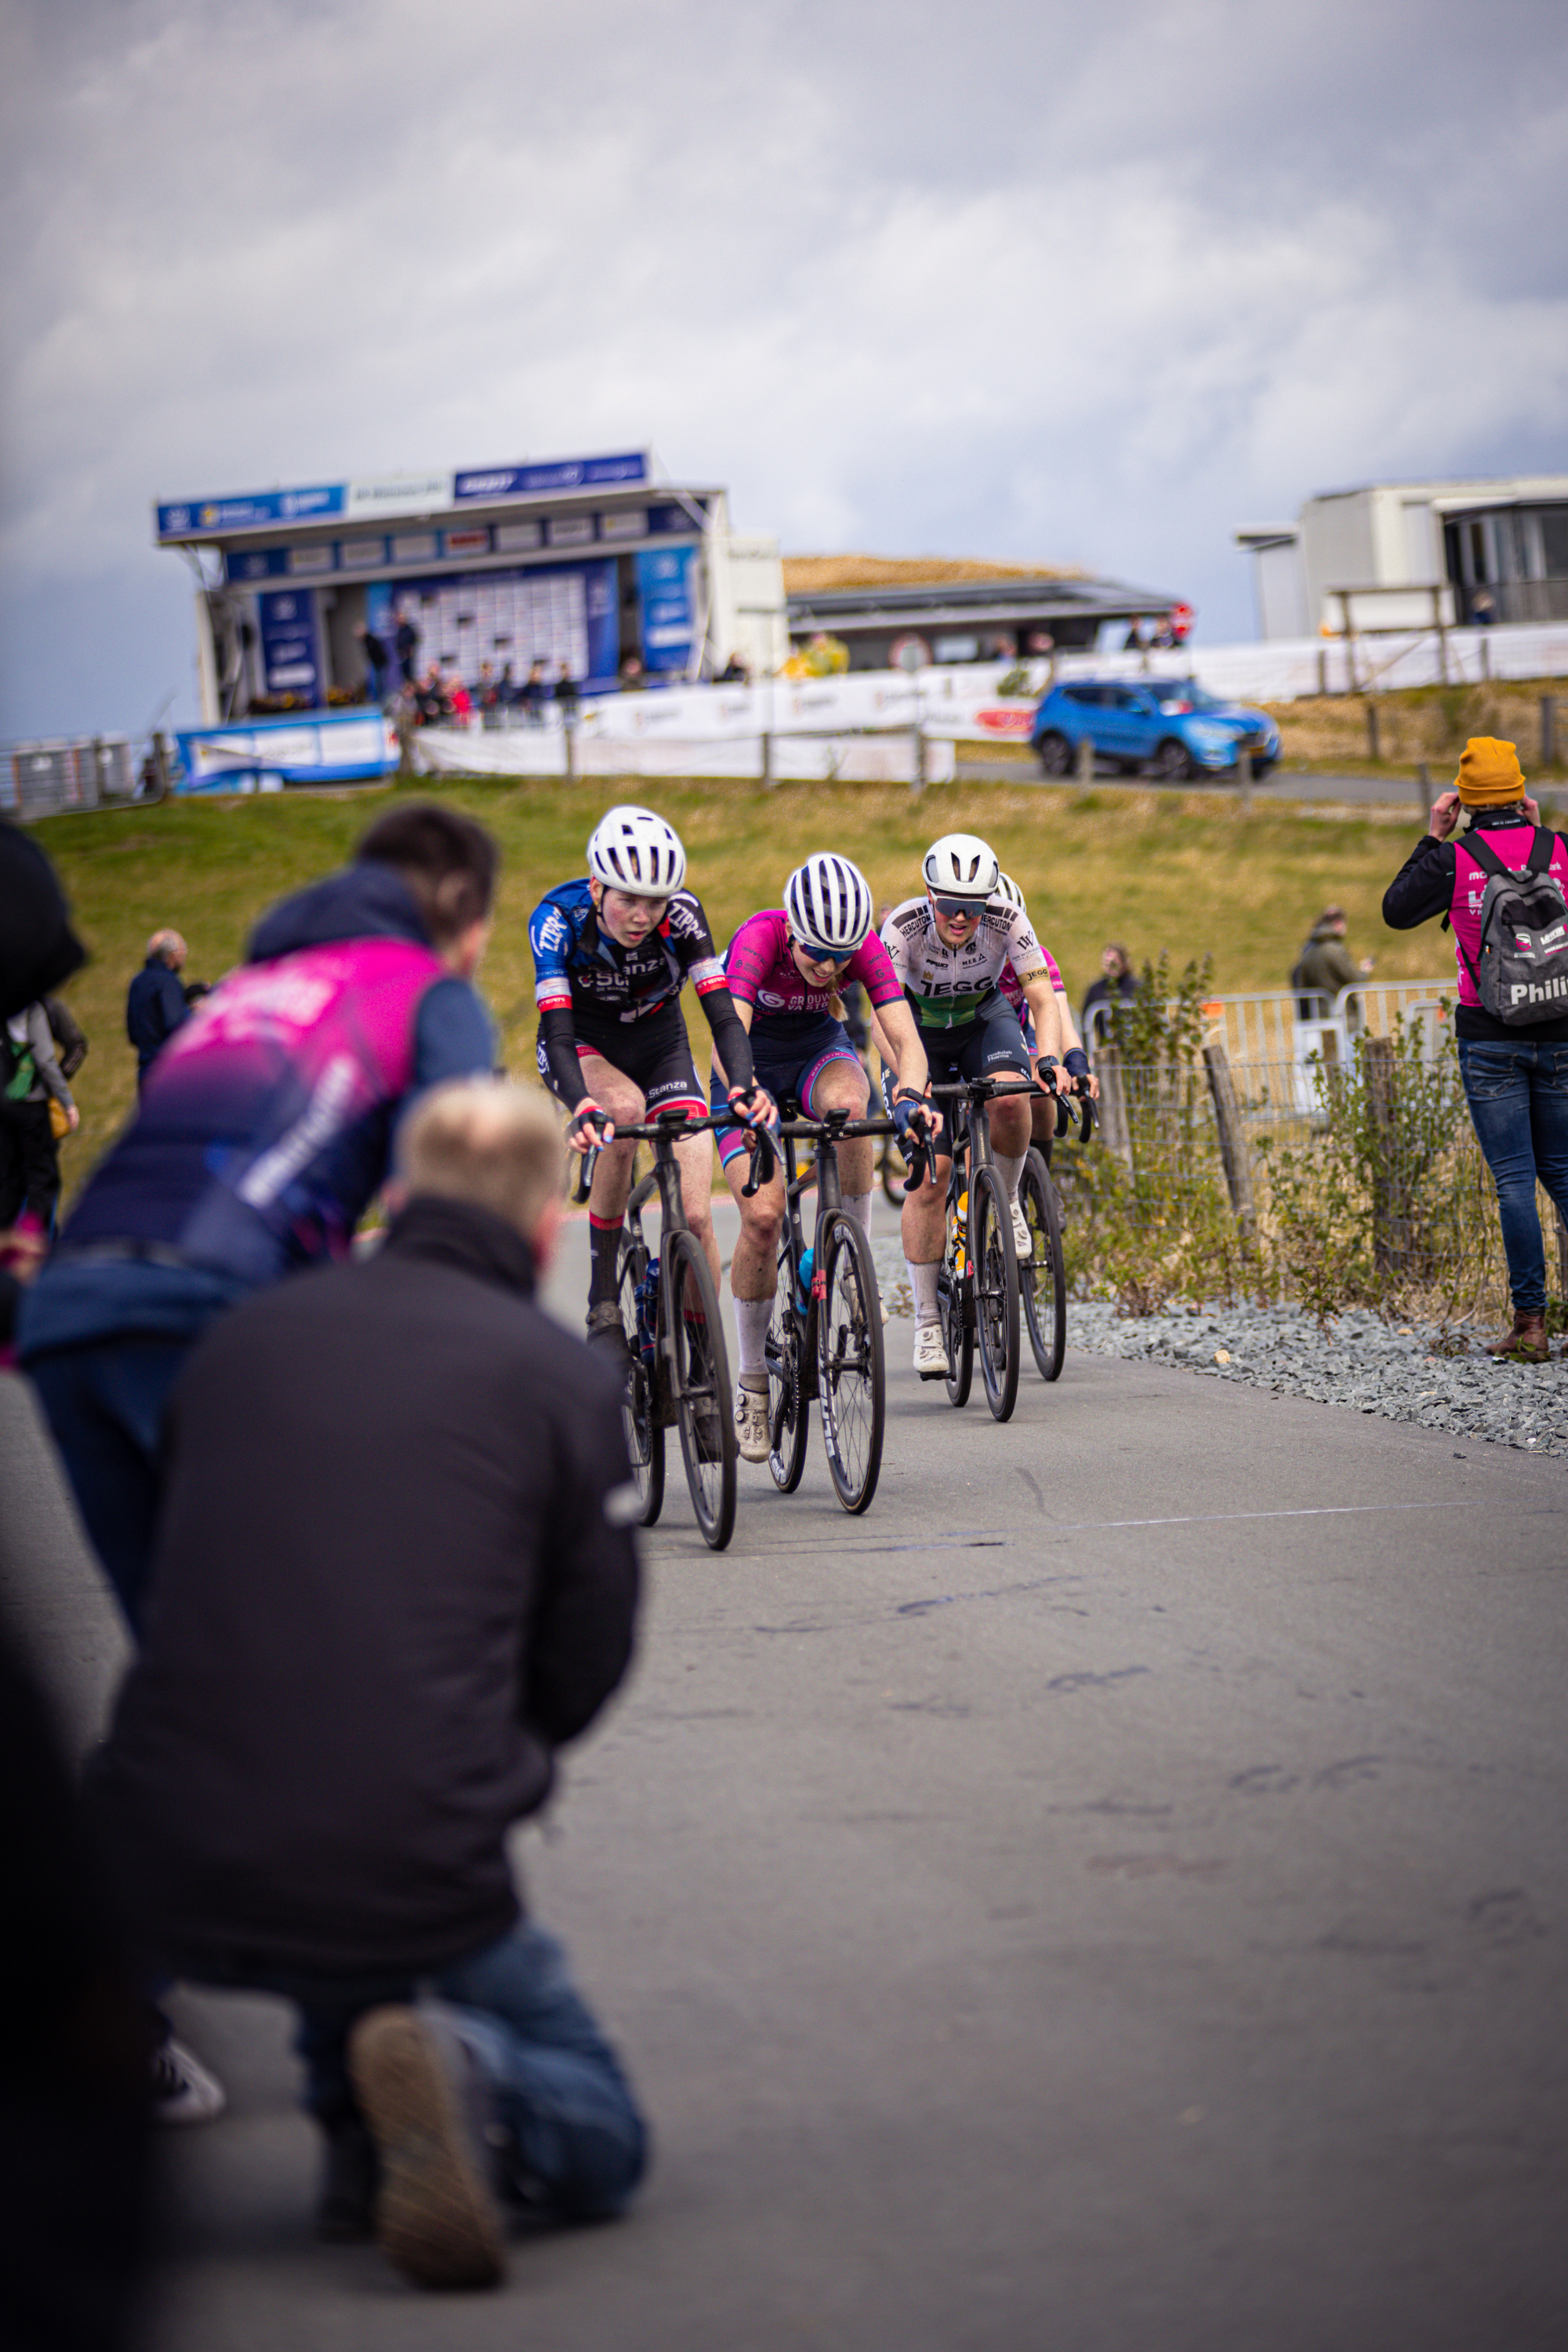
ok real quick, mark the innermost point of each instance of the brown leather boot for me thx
(1526, 1343)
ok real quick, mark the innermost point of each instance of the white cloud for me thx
(1028, 281)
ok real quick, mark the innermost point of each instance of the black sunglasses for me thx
(954, 908)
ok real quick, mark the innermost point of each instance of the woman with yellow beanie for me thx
(1516, 1078)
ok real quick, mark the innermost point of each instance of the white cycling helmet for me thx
(828, 903)
(1009, 893)
(962, 865)
(632, 850)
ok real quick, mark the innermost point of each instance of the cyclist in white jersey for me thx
(949, 949)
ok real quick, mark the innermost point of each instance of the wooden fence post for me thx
(1085, 761)
(1235, 1157)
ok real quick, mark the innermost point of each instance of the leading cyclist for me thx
(611, 954)
(787, 967)
(949, 949)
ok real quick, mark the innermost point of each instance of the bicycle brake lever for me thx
(586, 1163)
(1064, 1115)
(764, 1159)
(1085, 1118)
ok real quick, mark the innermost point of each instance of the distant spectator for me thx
(1116, 983)
(1483, 608)
(31, 1080)
(534, 692)
(70, 1037)
(459, 701)
(506, 687)
(377, 661)
(430, 701)
(566, 696)
(1325, 965)
(407, 644)
(735, 672)
(1135, 641)
(633, 676)
(155, 1002)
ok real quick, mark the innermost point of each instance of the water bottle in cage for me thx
(803, 1292)
(647, 1310)
(957, 1226)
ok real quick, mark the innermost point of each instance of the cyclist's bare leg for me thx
(841, 1086)
(1010, 1130)
(753, 1267)
(615, 1094)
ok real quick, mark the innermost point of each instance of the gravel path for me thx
(1361, 1361)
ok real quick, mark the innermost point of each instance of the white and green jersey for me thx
(949, 987)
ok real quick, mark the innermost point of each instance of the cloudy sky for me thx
(1010, 279)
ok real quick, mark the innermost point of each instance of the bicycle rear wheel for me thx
(786, 1403)
(639, 1415)
(701, 1384)
(996, 1268)
(851, 1384)
(1043, 1283)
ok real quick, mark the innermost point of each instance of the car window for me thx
(1091, 694)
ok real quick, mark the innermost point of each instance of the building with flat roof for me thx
(589, 562)
(895, 610)
(1401, 555)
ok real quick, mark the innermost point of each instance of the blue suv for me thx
(1169, 726)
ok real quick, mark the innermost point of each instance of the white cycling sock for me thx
(1010, 1167)
(751, 1319)
(922, 1283)
(860, 1207)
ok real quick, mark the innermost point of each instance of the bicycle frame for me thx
(826, 1133)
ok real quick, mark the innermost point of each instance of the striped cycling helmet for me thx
(828, 903)
(632, 850)
(1009, 893)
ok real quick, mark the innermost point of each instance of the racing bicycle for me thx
(677, 1374)
(825, 1337)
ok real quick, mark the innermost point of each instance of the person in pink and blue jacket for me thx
(264, 1131)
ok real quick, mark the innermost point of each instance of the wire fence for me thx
(1353, 1180)
(89, 771)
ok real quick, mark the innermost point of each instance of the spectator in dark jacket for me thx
(356, 1679)
(1326, 965)
(70, 1037)
(155, 1002)
(262, 1136)
(1116, 983)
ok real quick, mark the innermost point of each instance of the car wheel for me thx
(1056, 754)
(1261, 769)
(1173, 762)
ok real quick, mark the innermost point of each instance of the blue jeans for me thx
(577, 2145)
(1517, 1095)
(105, 1405)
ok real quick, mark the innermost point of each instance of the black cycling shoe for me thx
(606, 1328)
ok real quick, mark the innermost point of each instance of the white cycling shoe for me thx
(1023, 1239)
(931, 1352)
(751, 1422)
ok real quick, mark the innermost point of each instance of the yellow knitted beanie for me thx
(1490, 774)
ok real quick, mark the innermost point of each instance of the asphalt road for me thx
(1115, 1894)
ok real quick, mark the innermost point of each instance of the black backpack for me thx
(1521, 971)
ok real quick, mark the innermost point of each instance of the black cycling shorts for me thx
(979, 1050)
(654, 1054)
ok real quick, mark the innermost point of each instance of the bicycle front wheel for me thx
(701, 1384)
(786, 1400)
(995, 1267)
(639, 1415)
(851, 1385)
(1043, 1282)
(957, 1333)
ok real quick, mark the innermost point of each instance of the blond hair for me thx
(484, 1140)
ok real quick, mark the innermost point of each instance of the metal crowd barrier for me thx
(45, 778)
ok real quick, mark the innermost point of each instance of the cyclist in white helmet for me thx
(611, 954)
(785, 968)
(949, 948)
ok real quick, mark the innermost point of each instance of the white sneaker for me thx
(1023, 1239)
(931, 1352)
(751, 1422)
(183, 2089)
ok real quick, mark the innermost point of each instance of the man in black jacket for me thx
(155, 1001)
(396, 1574)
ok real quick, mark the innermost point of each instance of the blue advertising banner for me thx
(552, 613)
(668, 619)
(291, 663)
(204, 518)
(566, 474)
